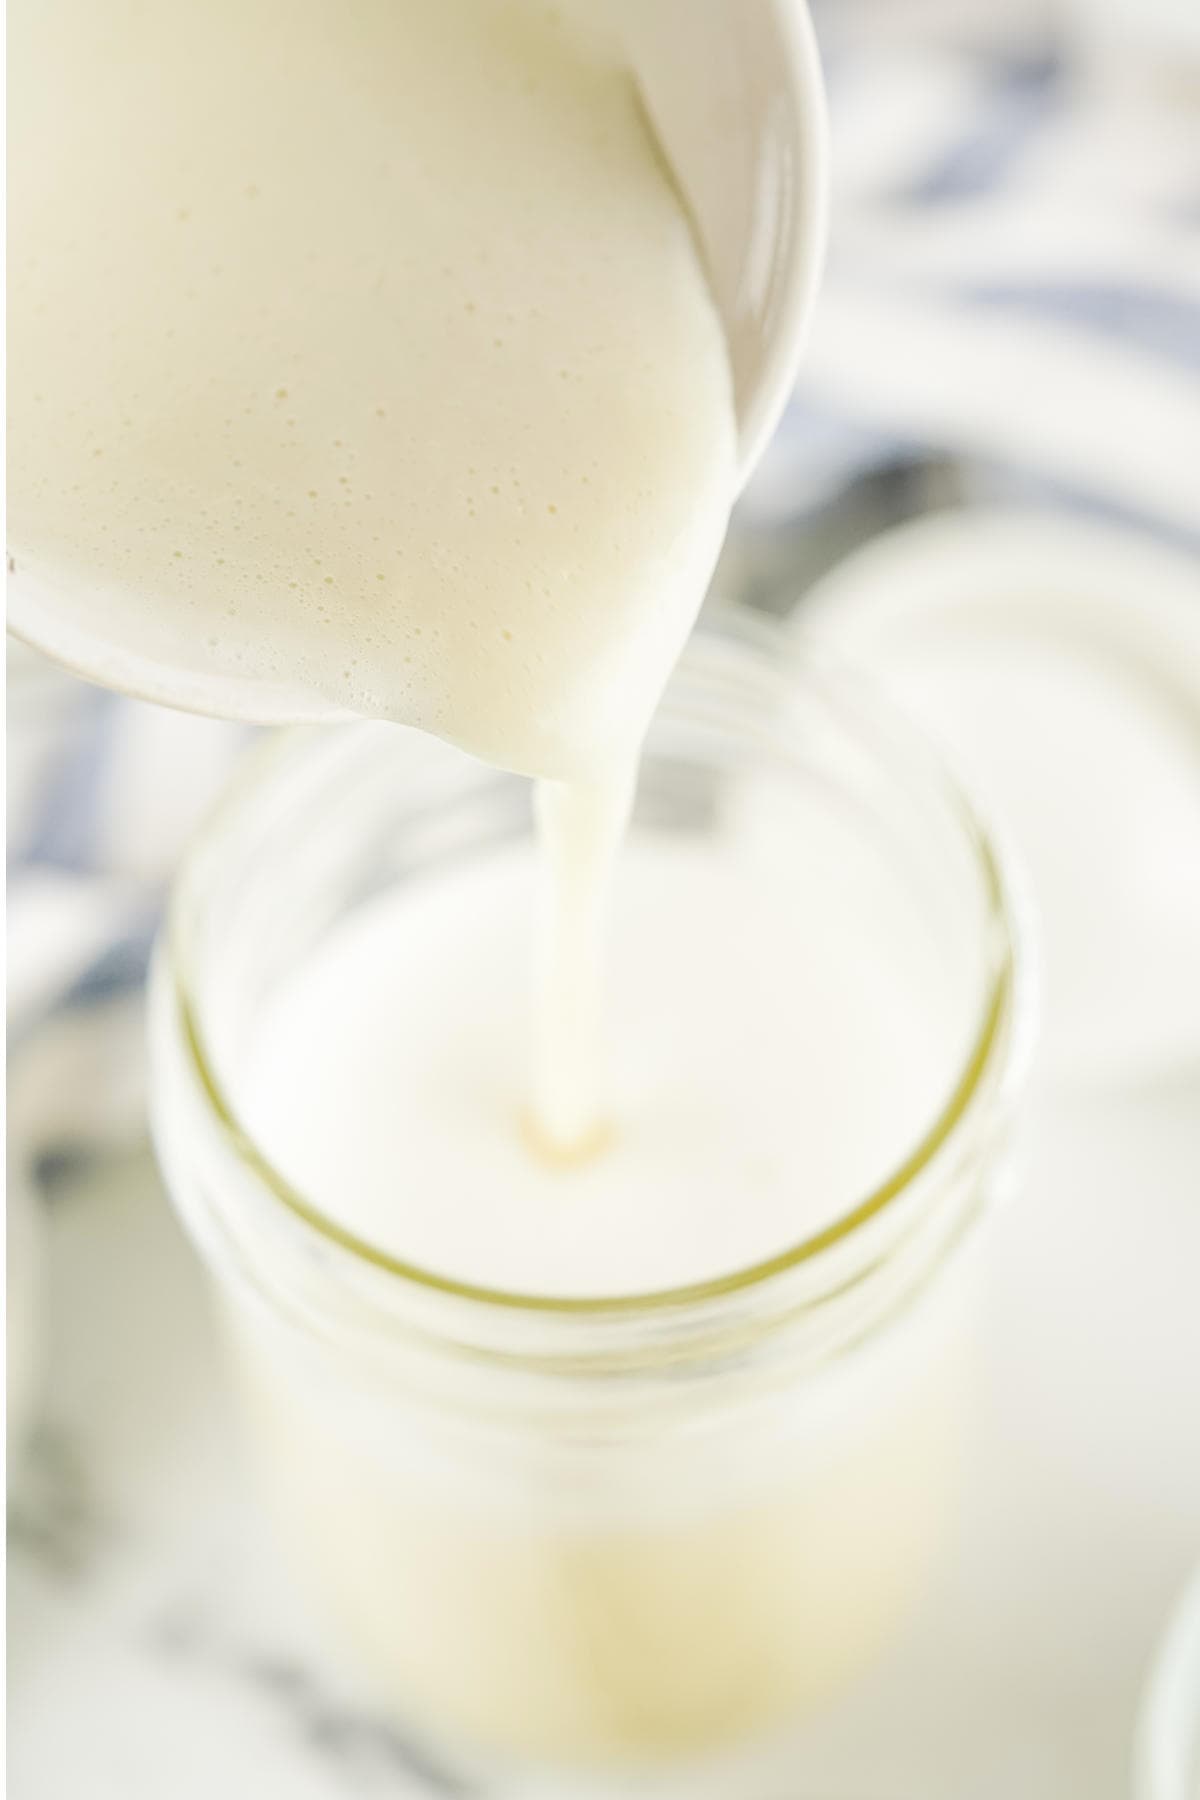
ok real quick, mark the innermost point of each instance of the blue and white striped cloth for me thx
(1013, 295)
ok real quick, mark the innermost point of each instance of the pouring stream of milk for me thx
(580, 825)
(361, 348)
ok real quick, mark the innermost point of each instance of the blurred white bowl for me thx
(1056, 657)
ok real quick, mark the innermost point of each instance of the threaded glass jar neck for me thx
(321, 820)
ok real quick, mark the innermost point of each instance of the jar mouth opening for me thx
(996, 1053)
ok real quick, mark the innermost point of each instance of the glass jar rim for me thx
(998, 1046)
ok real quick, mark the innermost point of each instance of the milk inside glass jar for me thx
(614, 1518)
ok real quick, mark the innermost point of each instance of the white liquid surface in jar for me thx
(785, 1040)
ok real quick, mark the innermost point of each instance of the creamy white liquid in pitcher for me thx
(360, 347)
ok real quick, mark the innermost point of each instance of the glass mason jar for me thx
(629, 1530)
